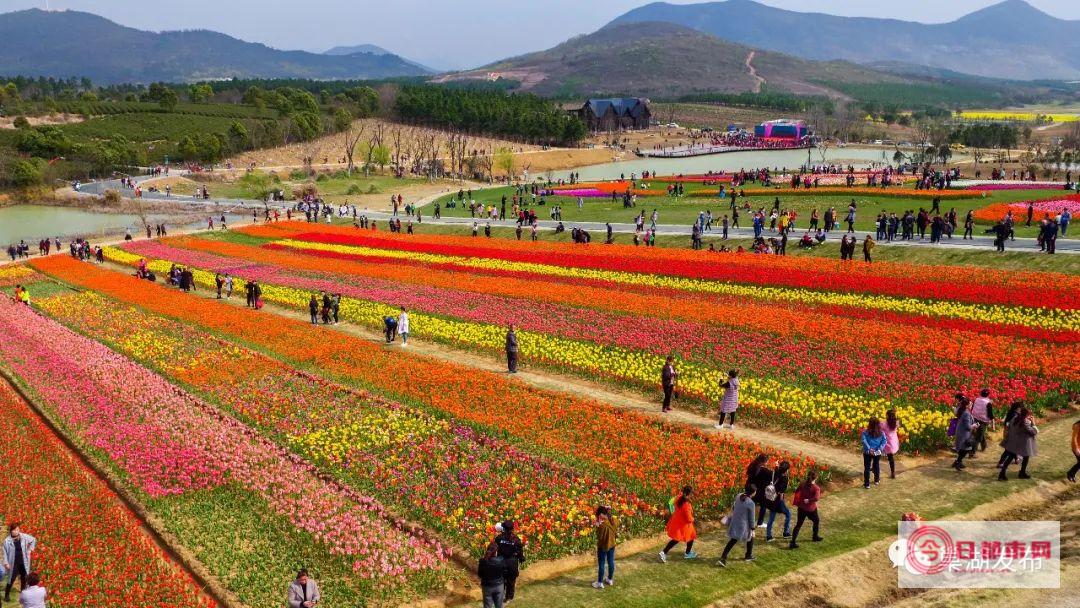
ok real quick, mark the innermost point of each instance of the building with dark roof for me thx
(616, 114)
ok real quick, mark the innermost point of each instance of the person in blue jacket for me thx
(873, 446)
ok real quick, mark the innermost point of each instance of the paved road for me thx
(598, 229)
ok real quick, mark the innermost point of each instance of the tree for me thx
(27, 172)
(898, 157)
(21, 122)
(238, 136)
(257, 185)
(169, 100)
(506, 162)
(381, 156)
(352, 133)
(944, 153)
(374, 141)
(200, 93)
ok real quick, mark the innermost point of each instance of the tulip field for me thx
(611, 314)
(262, 444)
(388, 468)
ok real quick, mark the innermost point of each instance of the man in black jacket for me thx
(511, 350)
(512, 552)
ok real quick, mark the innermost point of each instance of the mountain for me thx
(1011, 40)
(341, 51)
(359, 48)
(70, 43)
(665, 59)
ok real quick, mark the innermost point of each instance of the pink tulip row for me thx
(168, 442)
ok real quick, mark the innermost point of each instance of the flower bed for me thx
(168, 447)
(892, 192)
(450, 477)
(1041, 208)
(634, 446)
(1055, 313)
(92, 550)
(632, 348)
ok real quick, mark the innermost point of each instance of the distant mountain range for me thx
(665, 59)
(1011, 40)
(70, 43)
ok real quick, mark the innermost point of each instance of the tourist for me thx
(511, 349)
(1071, 475)
(390, 326)
(228, 286)
(867, 247)
(304, 591)
(669, 377)
(729, 403)
(606, 532)
(492, 573)
(873, 446)
(335, 308)
(806, 498)
(219, 283)
(760, 476)
(777, 503)
(18, 548)
(313, 308)
(680, 526)
(1019, 443)
(891, 430)
(512, 551)
(403, 327)
(33, 596)
(963, 432)
(741, 525)
(22, 295)
(982, 410)
(249, 292)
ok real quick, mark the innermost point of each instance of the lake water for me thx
(732, 161)
(34, 222)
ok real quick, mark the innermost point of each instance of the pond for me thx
(731, 161)
(34, 222)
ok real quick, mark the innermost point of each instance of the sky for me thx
(452, 34)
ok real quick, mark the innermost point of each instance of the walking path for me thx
(758, 80)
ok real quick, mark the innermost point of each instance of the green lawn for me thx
(685, 210)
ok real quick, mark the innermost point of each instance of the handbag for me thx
(770, 490)
(952, 427)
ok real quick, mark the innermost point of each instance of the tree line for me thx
(518, 116)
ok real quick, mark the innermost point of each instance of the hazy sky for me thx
(451, 33)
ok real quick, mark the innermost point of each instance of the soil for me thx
(8, 122)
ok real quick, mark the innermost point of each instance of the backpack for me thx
(671, 506)
(770, 490)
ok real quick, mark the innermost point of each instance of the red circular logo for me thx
(930, 550)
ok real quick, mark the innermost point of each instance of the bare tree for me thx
(374, 140)
(352, 136)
